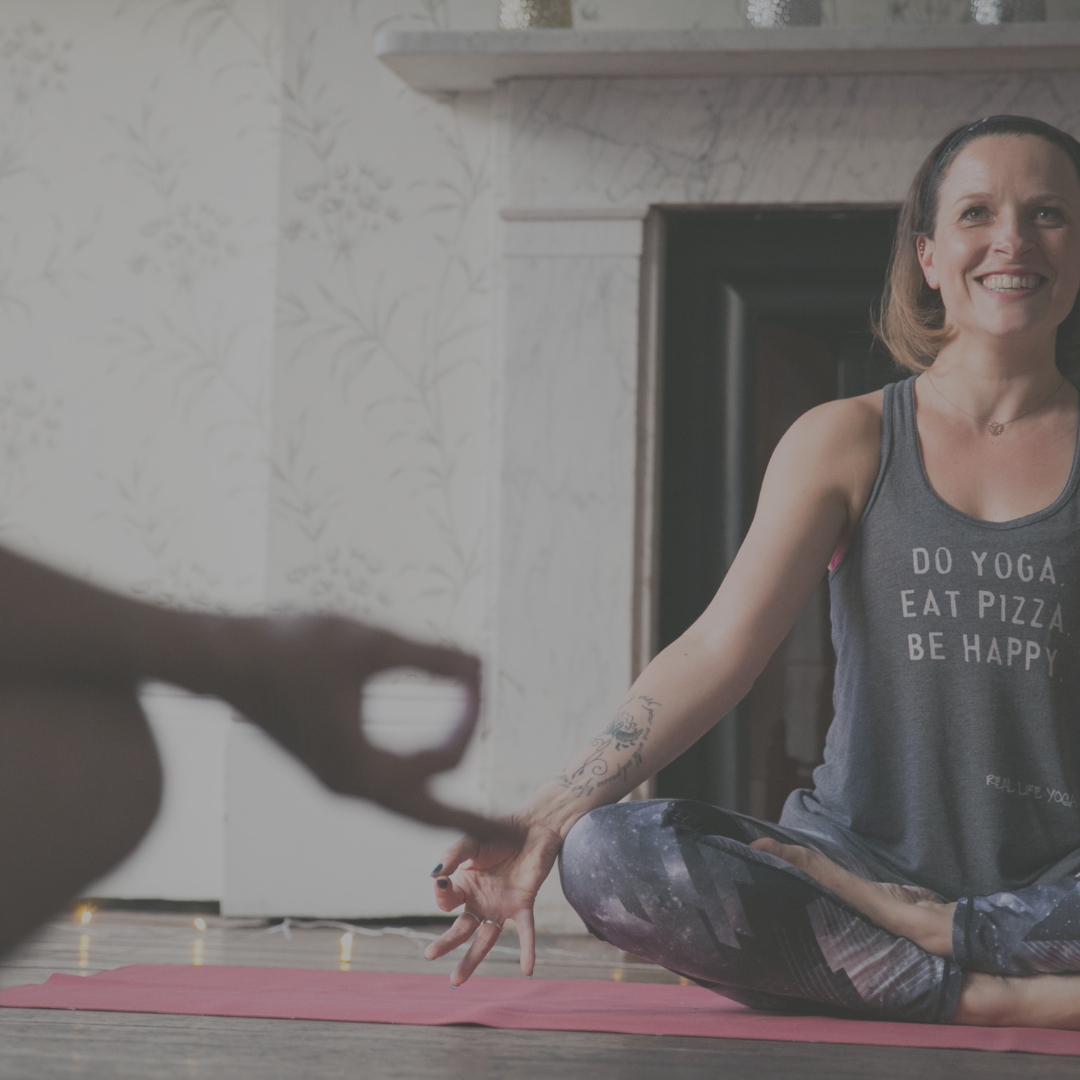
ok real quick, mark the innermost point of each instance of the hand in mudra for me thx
(495, 881)
(302, 679)
(905, 910)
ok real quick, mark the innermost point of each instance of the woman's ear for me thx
(924, 249)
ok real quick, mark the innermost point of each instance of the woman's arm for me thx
(814, 490)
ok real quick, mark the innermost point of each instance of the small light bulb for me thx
(84, 914)
(200, 924)
(346, 944)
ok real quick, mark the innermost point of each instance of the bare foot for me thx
(904, 910)
(1049, 1001)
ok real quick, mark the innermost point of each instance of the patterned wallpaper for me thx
(381, 387)
(244, 301)
(138, 220)
(245, 314)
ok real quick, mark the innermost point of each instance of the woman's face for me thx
(1006, 246)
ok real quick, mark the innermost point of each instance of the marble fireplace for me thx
(595, 133)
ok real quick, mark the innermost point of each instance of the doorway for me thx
(766, 314)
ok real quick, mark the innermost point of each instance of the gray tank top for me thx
(953, 759)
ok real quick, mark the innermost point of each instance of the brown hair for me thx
(911, 320)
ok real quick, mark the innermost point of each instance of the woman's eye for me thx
(1048, 214)
(974, 213)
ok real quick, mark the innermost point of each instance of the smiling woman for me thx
(932, 872)
(913, 317)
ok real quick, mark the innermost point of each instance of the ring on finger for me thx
(492, 922)
(473, 915)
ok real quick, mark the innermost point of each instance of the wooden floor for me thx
(42, 1044)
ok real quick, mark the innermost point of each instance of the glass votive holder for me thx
(770, 13)
(535, 14)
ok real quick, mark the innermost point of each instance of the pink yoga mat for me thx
(539, 1004)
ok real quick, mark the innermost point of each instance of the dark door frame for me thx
(708, 275)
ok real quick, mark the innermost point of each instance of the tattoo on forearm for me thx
(629, 731)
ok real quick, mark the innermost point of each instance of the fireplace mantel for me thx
(444, 61)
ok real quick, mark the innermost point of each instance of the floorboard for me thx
(44, 1044)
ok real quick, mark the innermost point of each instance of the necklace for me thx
(996, 427)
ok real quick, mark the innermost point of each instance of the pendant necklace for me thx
(996, 427)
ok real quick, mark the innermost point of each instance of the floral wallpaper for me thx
(245, 313)
(138, 224)
(381, 381)
(244, 300)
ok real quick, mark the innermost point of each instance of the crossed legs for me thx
(678, 883)
(1022, 949)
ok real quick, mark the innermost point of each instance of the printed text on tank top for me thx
(953, 759)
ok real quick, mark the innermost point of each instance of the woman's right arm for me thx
(817, 483)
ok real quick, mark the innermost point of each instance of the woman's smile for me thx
(1016, 283)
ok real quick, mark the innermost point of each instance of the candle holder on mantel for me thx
(769, 13)
(535, 14)
(995, 12)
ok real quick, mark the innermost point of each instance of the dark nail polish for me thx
(443, 883)
(436, 870)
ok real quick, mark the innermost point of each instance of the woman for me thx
(931, 873)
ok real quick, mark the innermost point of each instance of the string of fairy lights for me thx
(84, 916)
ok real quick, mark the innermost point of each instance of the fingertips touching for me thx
(440, 660)
(454, 856)
(447, 895)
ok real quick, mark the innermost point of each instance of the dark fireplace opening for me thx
(766, 314)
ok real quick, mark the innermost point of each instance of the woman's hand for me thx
(495, 881)
(905, 910)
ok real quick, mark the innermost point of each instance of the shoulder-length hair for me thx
(911, 319)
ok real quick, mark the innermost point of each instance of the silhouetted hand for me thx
(300, 678)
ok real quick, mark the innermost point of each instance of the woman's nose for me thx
(1012, 234)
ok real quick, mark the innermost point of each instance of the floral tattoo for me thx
(628, 731)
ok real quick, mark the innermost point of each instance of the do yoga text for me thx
(984, 603)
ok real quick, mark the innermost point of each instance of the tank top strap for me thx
(899, 445)
(905, 431)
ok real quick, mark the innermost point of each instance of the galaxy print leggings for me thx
(675, 882)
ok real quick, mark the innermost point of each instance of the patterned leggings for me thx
(675, 881)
